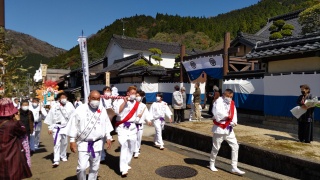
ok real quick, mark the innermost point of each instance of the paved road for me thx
(144, 167)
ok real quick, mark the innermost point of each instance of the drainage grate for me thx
(176, 172)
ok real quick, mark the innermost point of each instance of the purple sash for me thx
(126, 124)
(161, 119)
(229, 128)
(55, 138)
(138, 125)
(90, 148)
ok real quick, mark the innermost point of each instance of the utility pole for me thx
(182, 54)
(123, 29)
(2, 19)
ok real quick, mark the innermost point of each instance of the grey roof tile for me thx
(145, 45)
(300, 44)
(124, 62)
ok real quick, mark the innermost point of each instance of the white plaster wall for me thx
(114, 52)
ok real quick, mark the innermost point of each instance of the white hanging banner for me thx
(85, 66)
(212, 66)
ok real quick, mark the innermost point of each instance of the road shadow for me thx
(277, 137)
(199, 162)
(112, 162)
(149, 143)
(40, 150)
(48, 157)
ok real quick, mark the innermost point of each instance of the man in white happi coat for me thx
(107, 103)
(159, 110)
(88, 125)
(126, 110)
(143, 117)
(57, 119)
(39, 113)
(225, 119)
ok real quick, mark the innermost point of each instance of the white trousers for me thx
(158, 136)
(128, 144)
(217, 139)
(60, 149)
(103, 152)
(139, 139)
(83, 160)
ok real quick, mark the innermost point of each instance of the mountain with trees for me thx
(204, 33)
(34, 51)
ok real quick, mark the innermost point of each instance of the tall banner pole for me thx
(85, 66)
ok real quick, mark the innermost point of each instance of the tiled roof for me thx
(248, 39)
(124, 62)
(90, 65)
(292, 45)
(144, 70)
(289, 18)
(145, 45)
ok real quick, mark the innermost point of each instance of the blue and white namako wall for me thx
(151, 90)
(275, 95)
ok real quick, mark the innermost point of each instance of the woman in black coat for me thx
(305, 122)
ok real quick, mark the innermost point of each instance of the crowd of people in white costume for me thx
(90, 127)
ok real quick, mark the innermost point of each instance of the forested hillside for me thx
(34, 50)
(195, 32)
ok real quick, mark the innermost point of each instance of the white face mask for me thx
(158, 98)
(35, 104)
(63, 101)
(25, 108)
(138, 98)
(94, 104)
(107, 94)
(132, 97)
(227, 100)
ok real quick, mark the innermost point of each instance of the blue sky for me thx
(60, 22)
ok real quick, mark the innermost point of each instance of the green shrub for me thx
(276, 35)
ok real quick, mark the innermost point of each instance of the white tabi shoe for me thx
(161, 148)
(237, 171)
(212, 167)
(129, 167)
(55, 164)
(124, 174)
(136, 155)
(64, 159)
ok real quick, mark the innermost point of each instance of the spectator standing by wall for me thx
(196, 101)
(177, 102)
(305, 122)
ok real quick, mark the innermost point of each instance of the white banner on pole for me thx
(85, 66)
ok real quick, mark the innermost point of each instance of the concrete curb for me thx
(271, 161)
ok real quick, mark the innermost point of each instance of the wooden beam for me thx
(225, 53)
(2, 14)
(182, 54)
(245, 68)
(252, 65)
(244, 63)
(233, 67)
(231, 50)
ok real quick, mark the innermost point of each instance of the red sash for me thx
(229, 119)
(130, 114)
